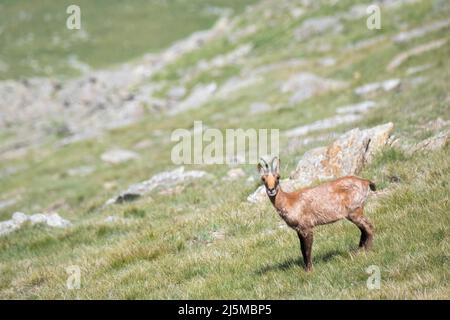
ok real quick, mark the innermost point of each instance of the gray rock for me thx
(116, 156)
(357, 108)
(306, 85)
(316, 26)
(345, 156)
(160, 181)
(417, 69)
(373, 87)
(176, 93)
(19, 219)
(406, 36)
(259, 107)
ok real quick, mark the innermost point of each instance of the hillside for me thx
(72, 142)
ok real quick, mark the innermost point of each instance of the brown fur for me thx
(329, 202)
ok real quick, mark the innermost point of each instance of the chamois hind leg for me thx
(306, 241)
(364, 226)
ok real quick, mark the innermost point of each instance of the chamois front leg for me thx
(306, 241)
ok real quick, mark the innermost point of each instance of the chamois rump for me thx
(329, 202)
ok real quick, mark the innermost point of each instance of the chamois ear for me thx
(260, 169)
(276, 165)
(263, 168)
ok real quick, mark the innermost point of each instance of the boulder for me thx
(18, 219)
(161, 181)
(322, 124)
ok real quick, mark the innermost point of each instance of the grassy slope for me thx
(167, 247)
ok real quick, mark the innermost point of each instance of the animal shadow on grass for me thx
(295, 262)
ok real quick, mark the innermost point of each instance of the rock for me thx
(259, 107)
(296, 12)
(234, 174)
(386, 86)
(327, 61)
(436, 142)
(18, 219)
(322, 124)
(316, 26)
(80, 171)
(366, 43)
(306, 85)
(54, 220)
(8, 226)
(38, 218)
(357, 108)
(176, 93)
(160, 181)
(200, 95)
(402, 57)
(406, 36)
(345, 156)
(117, 156)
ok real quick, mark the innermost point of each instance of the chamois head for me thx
(270, 175)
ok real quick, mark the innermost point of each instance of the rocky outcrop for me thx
(345, 156)
(161, 181)
(19, 219)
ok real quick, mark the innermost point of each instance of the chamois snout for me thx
(270, 176)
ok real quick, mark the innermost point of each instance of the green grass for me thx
(36, 42)
(207, 241)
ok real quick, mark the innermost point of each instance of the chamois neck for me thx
(278, 200)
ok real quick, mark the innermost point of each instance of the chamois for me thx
(329, 202)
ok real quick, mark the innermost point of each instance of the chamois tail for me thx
(372, 186)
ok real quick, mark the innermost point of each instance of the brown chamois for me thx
(329, 202)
